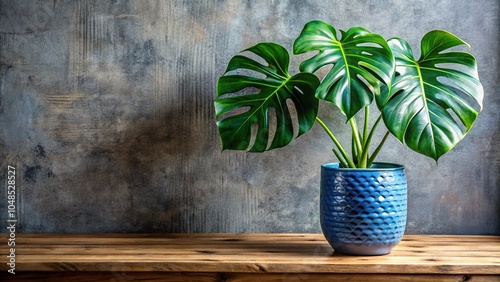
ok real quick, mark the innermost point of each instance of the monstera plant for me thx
(429, 104)
(424, 103)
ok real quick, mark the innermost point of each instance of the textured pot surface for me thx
(363, 211)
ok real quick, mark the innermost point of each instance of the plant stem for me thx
(357, 140)
(354, 151)
(346, 158)
(366, 125)
(366, 139)
(375, 153)
(340, 158)
(366, 146)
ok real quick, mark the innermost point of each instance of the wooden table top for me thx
(247, 253)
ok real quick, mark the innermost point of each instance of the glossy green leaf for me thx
(433, 101)
(270, 86)
(359, 61)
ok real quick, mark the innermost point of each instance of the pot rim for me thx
(376, 166)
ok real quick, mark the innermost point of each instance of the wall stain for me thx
(31, 173)
(40, 151)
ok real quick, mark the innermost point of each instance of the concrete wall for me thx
(106, 112)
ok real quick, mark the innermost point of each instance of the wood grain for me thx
(238, 277)
(239, 255)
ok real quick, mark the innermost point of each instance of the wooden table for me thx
(245, 257)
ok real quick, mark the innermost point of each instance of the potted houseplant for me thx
(429, 104)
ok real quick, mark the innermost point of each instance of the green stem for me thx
(364, 157)
(375, 153)
(346, 158)
(357, 140)
(340, 158)
(366, 125)
(354, 151)
(366, 139)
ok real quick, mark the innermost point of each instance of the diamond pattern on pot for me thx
(363, 207)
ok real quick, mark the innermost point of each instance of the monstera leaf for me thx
(239, 111)
(430, 103)
(360, 60)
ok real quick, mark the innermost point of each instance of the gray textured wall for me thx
(106, 111)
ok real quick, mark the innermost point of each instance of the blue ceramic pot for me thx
(363, 211)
